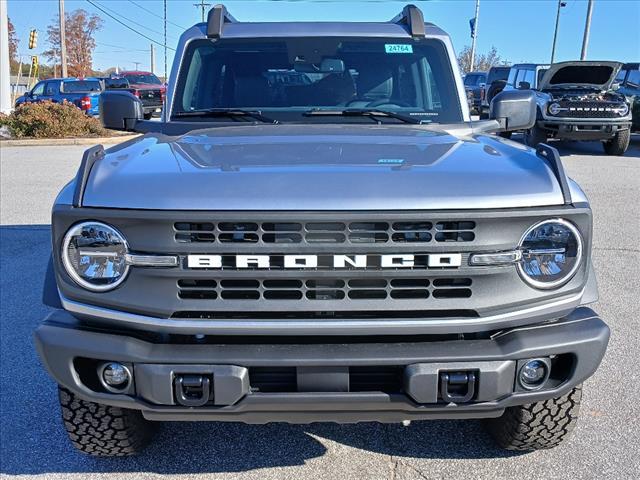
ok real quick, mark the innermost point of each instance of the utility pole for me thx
(63, 40)
(474, 34)
(587, 29)
(136, 64)
(555, 33)
(5, 74)
(203, 7)
(153, 60)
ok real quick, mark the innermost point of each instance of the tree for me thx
(80, 28)
(13, 47)
(483, 62)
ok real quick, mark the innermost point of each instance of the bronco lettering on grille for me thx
(441, 260)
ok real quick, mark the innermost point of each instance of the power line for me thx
(131, 21)
(130, 28)
(156, 15)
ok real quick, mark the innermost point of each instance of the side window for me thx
(621, 76)
(38, 89)
(633, 80)
(529, 77)
(51, 88)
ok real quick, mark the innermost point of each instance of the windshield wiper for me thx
(362, 112)
(227, 112)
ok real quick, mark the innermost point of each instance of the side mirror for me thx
(524, 86)
(120, 110)
(514, 110)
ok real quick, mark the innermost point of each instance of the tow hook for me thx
(192, 390)
(457, 387)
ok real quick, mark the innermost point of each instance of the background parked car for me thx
(83, 92)
(474, 85)
(148, 88)
(628, 80)
(525, 76)
(496, 80)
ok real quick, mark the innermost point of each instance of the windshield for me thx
(139, 78)
(286, 78)
(81, 86)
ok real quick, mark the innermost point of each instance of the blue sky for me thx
(521, 30)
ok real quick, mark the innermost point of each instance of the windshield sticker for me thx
(393, 161)
(398, 48)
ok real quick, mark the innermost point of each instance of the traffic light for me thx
(33, 39)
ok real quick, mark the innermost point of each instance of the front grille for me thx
(588, 109)
(325, 289)
(328, 232)
(380, 378)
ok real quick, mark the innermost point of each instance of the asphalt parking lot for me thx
(605, 445)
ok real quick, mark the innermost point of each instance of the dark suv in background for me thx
(474, 86)
(628, 81)
(496, 81)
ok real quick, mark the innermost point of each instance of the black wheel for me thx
(147, 116)
(534, 136)
(538, 425)
(101, 430)
(505, 134)
(618, 144)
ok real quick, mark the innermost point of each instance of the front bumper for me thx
(324, 372)
(583, 129)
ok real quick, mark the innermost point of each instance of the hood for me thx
(320, 167)
(598, 75)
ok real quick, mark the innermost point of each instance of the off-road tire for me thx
(534, 136)
(539, 425)
(101, 430)
(618, 144)
(148, 116)
(505, 134)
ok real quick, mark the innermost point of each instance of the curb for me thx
(67, 141)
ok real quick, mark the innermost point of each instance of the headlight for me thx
(94, 256)
(551, 253)
(555, 109)
(622, 110)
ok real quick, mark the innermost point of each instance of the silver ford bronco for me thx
(316, 231)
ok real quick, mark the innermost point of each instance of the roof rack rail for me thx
(412, 17)
(552, 156)
(218, 16)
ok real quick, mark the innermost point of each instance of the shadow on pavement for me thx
(567, 148)
(34, 442)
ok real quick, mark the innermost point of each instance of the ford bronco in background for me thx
(576, 101)
(316, 231)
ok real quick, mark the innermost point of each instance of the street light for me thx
(555, 33)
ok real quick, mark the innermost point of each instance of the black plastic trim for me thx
(552, 156)
(89, 158)
(412, 17)
(581, 334)
(218, 16)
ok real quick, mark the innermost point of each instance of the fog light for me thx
(533, 374)
(114, 376)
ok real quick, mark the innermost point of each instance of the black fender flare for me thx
(50, 295)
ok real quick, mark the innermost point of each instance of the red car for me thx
(148, 88)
